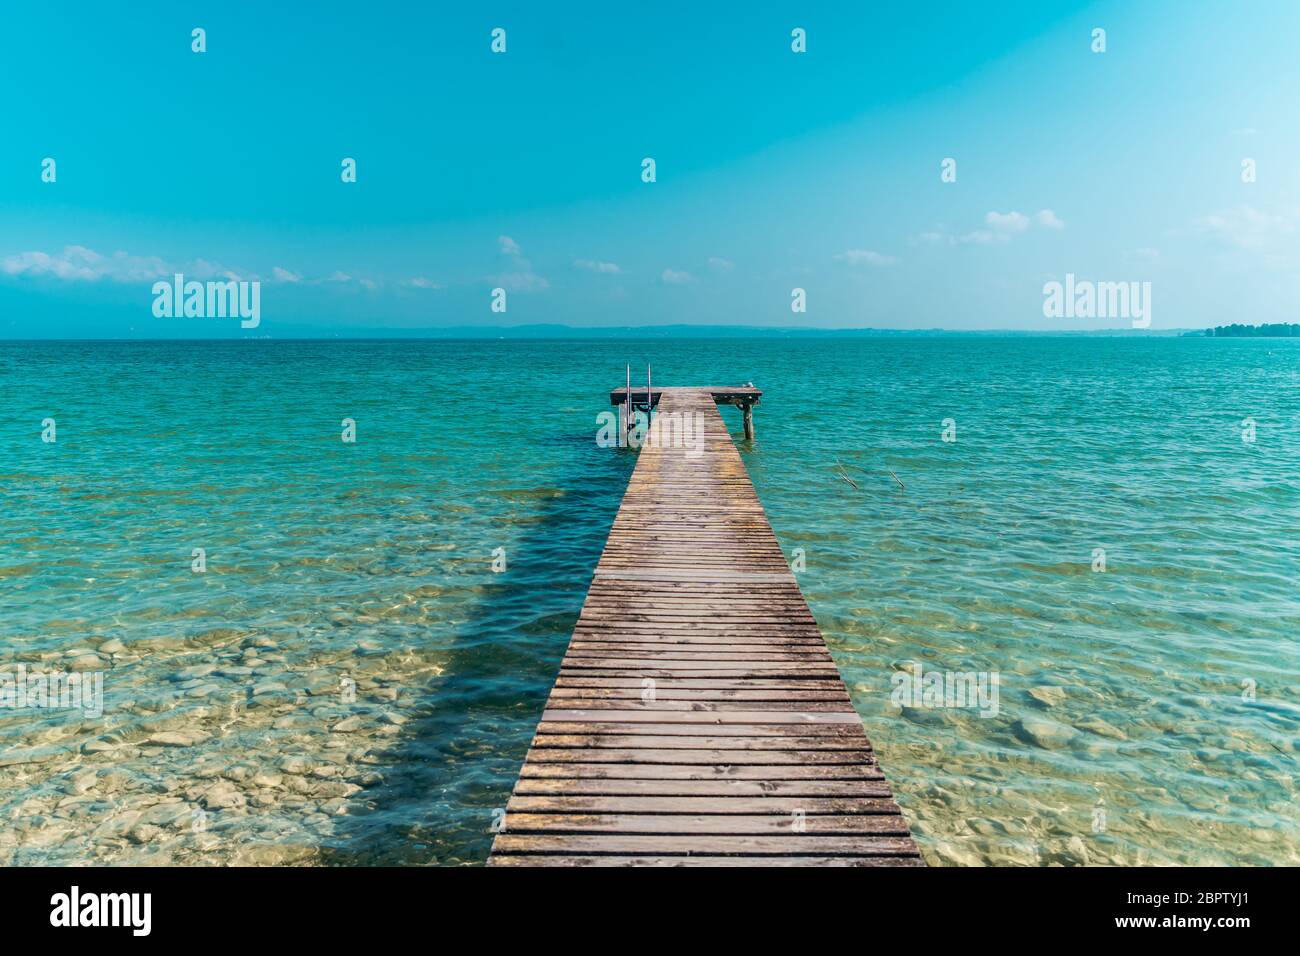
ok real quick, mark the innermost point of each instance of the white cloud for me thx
(1009, 222)
(201, 267)
(674, 277)
(78, 263)
(519, 276)
(75, 262)
(338, 276)
(1245, 227)
(1048, 219)
(1001, 227)
(865, 257)
(720, 264)
(81, 264)
(521, 282)
(595, 265)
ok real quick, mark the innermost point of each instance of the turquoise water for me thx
(1126, 729)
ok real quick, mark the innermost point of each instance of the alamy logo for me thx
(668, 430)
(1084, 299)
(209, 300)
(917, 687)
(103, 909)
(53, 690)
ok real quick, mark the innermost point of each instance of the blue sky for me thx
(522, 170)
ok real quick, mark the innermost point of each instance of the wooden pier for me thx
(698, 718)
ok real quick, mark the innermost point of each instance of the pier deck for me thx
(698, 717)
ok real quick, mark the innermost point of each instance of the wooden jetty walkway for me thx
(698, 717)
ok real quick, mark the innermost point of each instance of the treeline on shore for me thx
(1236, 330)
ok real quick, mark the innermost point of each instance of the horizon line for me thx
(560, 330)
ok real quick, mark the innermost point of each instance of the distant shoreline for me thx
(566, 332)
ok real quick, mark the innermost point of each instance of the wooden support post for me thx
(748, 408)
(627, 406)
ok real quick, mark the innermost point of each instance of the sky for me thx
(523, 170)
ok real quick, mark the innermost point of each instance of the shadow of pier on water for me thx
(455, 761)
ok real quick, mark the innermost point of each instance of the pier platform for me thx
(698, 718)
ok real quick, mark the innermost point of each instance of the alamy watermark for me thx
(53, 690)
(667, 430)
(917, 687)
(1085, 299)
(75, 908)
(209, 300)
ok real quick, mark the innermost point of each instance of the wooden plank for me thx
(649, 771)
(698, 716)
(785, 805)
(703, 683)
(776, 843)
(712, 824)
(731, 758)
(578, 787)
(718, 694)
(656, 742)
(537, 859)
(708, 707)
(702, 717)
(771, 731)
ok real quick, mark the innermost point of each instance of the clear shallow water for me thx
(1121, 693)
